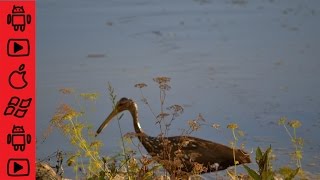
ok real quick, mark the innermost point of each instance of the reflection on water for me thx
(231, 61)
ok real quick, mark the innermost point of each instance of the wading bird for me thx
(180, 154)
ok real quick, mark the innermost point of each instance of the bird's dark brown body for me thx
(179, 154)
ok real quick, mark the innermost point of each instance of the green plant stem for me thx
(234, 135)
(234, 152)
(294, 140)
(297, 148)
(124, 149)
(288, 132)
(112, 98)
(161, 111)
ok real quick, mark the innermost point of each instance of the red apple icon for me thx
(17, 78)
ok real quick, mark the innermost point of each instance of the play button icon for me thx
(18, 167)
(18, 47)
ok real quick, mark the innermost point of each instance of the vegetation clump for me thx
(133, 162)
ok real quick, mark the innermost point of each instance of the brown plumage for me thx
(180, 154)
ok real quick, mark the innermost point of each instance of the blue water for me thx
(232, 61)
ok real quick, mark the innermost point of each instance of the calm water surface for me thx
(232, 61)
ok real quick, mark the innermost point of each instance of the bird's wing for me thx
(210, 154)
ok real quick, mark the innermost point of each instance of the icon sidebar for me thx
(17, 84)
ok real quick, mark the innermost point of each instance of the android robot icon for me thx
(18, 139)
(18, 18)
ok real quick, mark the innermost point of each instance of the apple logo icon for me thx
(17, 78)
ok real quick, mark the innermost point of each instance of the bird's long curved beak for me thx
(106, 122)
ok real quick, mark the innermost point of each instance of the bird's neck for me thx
(135, 117)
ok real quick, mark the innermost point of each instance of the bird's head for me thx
(122, 105)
